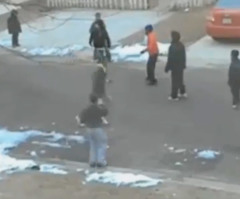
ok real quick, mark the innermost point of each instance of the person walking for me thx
(92, 119)
(93, 28)
(234, 78)
(99, 84)
(176, 63)
(14, 28)
(152, 49)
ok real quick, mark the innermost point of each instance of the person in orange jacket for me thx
(152, 49)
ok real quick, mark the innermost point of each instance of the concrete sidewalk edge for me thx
(170, 177)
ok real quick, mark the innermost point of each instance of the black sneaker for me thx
(101, 165)
(93, 165)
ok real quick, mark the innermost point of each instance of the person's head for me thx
(175, 36)
(234, 54)
(98, 16)
(93, 99)
(148, 29)
(14, 12)
(100, 24)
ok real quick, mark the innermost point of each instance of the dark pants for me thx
(235, 89)
(15, 39)
(96, 55)
(177, 83)
(151, 65)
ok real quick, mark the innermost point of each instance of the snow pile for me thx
(208, 154)
(123, 179)
(132, 53)
(54, 51)
(10, 140)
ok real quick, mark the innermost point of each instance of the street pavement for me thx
(143, 123)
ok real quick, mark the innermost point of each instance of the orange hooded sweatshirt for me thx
(152, 44)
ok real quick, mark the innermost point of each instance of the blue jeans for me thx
(98, 145)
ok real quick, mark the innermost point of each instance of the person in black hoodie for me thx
(176, 63)
(234, 78)
(99, 38)
(14, 27)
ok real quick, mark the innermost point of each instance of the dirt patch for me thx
(38, 186)
(190, 24)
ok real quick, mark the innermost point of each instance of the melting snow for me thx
(10, 140)
(123, 179)
(208, 154)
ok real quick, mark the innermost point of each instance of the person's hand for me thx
(166, 70)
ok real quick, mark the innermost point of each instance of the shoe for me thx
(101, 165)
(173, 99)
(93, 165)
(185, 95)
(153, 83)
(234, 107)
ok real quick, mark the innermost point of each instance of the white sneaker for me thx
(171, 99)
(185, 95)
(234, 106)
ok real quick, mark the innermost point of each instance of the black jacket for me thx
(234, 73)
(176, 57)
(98, 79)
(13, 24)
(99, 38)
(92, 116)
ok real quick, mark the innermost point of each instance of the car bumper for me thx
(217, 31)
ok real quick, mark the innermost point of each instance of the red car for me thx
(224, 20)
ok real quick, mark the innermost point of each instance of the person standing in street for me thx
(93, 28)
(99, 84)
(14, 28)
(152, 49)
(234, 78)
(176, 63)
(92, 119)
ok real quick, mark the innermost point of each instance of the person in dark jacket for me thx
(14, 27)
(234, 78)
(100, 40)
(176, 63)
(91, 117)
(93, 28)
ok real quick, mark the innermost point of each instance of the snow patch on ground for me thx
(11, 139)
(123, 179)
(208, 154)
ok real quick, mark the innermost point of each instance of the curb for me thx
(170, 177)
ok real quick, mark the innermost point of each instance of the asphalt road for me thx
(143, 120)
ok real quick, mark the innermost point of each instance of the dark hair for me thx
(93, 98)
(175, 36)
(98, 14)
(235, 53)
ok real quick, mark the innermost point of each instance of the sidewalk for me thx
(39, 186)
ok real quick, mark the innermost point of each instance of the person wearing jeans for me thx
(152, 49)
(92, 118)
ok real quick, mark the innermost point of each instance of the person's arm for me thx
(83, 117)
(229, 75)
(103, 110)
(168, 65)
(91, 38)
(108, 40)
(184, 57)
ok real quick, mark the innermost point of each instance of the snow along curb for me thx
(170, 177)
